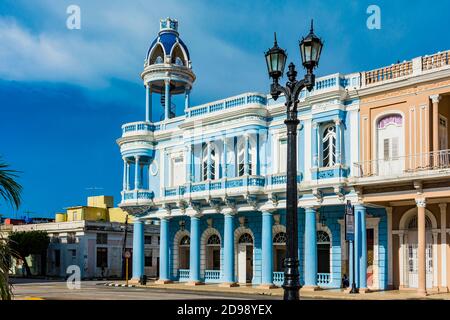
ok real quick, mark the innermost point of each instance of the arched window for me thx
(323, 252)
(213, 240)
(241, 148)
(246, 238)
(213, 252)
(329, 146)
(412, 225)
(280, 238)
(185, 241)
(157, 55)
(214, 162)
(184, 252)
(279, 251)
(177, 56)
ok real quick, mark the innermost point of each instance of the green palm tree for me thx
(10, 191)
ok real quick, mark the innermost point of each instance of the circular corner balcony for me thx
(137, 202)
(180, 76)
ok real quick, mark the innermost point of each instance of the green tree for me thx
(26, 243)
(10, 191)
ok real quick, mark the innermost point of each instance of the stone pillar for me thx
(310, 249)
(246, 156)
(188, 159)
(209, 161)
(401, 239)
(337, 123)
(167, 99)
(128, 176)
(148, 103)
(435, 100)
(389, 248)
(228, 247)
(187, 99)
(224, 158)
(351, 260)
(164, 273)
(125, 173)
(267, 250)
(138, 249)
(357, 247)
(443, 209)
(136, 173)
(194, 262)
(421, 250)
(315, 144)
(361, 212)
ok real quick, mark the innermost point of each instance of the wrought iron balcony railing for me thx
(438, 161)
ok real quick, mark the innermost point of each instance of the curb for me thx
(119, 285)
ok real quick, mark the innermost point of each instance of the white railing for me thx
(323, 279)
(183, 274)
(212, 275)
(278, 278)
(406, 165)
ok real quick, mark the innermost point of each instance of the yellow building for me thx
(98, 208)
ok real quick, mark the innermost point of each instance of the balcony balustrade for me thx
(212, 276)
(323, 279)
(419, 164)
(229, 186)
(237, 101)
(183, 275)
(278, 278)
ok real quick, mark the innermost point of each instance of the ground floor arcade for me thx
(249, 248)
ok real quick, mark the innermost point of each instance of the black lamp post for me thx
(310, 49)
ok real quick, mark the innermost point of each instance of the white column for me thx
(443, 207)
(435, 259)
(401, 239)
(389, 244)
(147, 102)
(246, 150)
(337, 123)
(128, 176)
(124, 185)
(224, 157)
(136, 173)
(208, 171)
(187, 162)
(187, 99)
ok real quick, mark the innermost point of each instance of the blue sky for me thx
(65, 93)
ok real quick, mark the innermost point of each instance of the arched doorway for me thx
(323, 252)
(184, 252)
(213, 253)
(245, 258)
(390, 146)
(279, 251)
(412, 253)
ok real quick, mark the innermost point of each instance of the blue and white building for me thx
(215, 178)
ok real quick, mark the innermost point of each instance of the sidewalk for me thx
(336, 294)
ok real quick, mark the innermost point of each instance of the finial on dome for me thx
(168, 24)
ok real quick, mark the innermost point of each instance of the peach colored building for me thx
(405, 166)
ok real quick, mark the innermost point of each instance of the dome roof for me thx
(168, 38)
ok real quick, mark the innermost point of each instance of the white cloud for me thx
(25, 56)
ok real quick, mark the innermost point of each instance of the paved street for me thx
(95, 290)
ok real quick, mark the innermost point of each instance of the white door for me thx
(242, 263)
(413, 278)
(390, 149)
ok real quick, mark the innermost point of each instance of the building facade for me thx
(93, 238)
(214, 176)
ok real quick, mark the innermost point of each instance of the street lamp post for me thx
(310, 49)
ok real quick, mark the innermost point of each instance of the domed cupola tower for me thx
(167, 69)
